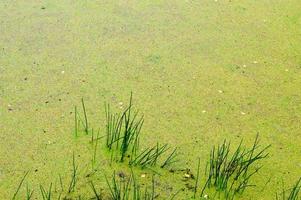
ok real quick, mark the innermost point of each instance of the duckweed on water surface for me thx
(200, 71)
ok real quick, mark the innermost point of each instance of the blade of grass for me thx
(19, 186)
(86, 118)
(197, 179)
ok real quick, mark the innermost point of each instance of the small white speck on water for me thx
(187, 175)
(49, 142)
(244, 66)
(206, 196)
(204, 111)
(220, 91)
(243, 113)
(9, 105)
(286, 70)
(120, 103)
(255, 62)
(62, 72)
(143, 175)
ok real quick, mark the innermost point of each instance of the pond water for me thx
(200, 72)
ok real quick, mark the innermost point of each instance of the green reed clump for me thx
(122, 139)
(231, 172)
(122, 131)
(293, 193)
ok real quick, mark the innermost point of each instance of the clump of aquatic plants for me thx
(122, 131)
(122, 139)
(291, 194)
(230, 173)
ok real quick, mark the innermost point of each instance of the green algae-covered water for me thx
(201, 71)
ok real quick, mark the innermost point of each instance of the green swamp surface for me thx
(200, 71)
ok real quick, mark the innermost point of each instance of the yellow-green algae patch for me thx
(201, 71)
